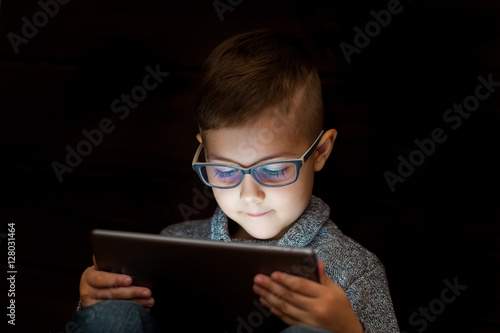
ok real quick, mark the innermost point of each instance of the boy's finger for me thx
(323, 278)
(286, 303)
(145, 302)
(284, 317)
(95, 264)
(100, 279)
(125, 293)
(278, 294)
(296, 284)
(321, 271)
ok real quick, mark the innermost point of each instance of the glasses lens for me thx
(222, 176)
(275, 173)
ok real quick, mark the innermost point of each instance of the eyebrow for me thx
(286, 155)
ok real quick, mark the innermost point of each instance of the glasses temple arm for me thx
(313, 147)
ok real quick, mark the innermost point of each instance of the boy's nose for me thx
(251, 191)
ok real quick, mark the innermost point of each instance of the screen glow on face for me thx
(272, 174)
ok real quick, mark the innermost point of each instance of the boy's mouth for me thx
(257, 215)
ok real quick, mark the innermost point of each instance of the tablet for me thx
(197, 278)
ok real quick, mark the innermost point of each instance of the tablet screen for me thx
(204, 283)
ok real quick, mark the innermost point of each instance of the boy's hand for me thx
(96, 286)
(299, 300)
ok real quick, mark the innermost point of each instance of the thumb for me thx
(323, 278)
(95, 264)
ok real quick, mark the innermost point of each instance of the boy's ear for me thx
(324, 148)
(198, 137)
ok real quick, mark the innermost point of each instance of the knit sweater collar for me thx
(300, 234)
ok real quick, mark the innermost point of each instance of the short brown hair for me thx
(252, 72)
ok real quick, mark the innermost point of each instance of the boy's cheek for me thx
(224, 196)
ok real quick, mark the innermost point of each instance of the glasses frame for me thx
(298, 162)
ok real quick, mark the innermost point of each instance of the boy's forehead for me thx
(253, 143)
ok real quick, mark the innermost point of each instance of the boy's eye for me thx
(277, 167)
(273, 172)
(224, 169)
(224, 173)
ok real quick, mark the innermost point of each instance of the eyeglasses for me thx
(273, 174)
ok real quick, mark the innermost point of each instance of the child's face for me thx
(261, 212)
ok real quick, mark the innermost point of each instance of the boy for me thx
(260, 115)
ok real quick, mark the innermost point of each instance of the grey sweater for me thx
(356, 270)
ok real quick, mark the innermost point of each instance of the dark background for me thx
(441, 223)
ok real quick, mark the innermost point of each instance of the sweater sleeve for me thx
(79, 306)
(361, 275)
(371, 300)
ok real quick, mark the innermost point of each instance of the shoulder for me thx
(360, 274)
(189, 229)
(345, 259)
